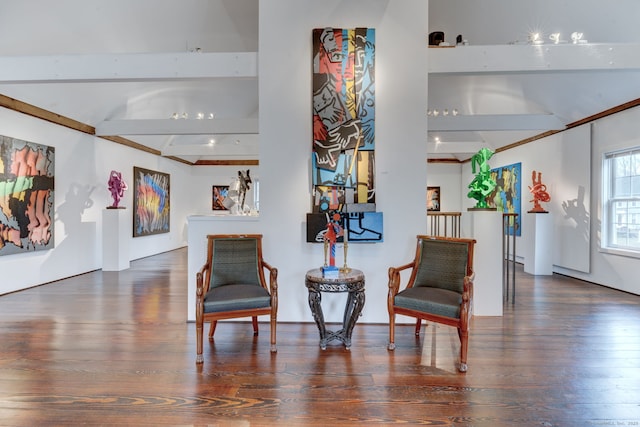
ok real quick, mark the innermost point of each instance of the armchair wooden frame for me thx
(461, 321)
(203, 281)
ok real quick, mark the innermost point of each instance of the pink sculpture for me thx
(117, 187)
(539, 191)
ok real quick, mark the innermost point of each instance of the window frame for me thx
(608, 236)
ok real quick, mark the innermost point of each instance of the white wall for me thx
(285, 135)
(448, 177)
(82, 167)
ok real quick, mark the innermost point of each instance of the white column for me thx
(486, 229)
(116, 234)
(539, 255)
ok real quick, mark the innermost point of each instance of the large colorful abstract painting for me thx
(26, 196)
(343, 153)
(151, 202)
(506, 196)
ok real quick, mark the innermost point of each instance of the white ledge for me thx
(534, 58)
(221, 126)
(127, 67)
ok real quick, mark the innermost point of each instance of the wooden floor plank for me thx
(113, 348)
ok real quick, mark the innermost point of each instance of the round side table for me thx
(351, 282)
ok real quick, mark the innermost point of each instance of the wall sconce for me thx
(535, 38)
(555, 38)
(576, 37)
(445, 112)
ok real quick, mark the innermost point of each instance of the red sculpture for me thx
(539, 191)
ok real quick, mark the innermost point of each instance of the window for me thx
(621, 202)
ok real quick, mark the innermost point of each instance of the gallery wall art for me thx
(151, 201)
(507, 195)
(26, 196)
(433, 199)
(343, 148)
(219, 194)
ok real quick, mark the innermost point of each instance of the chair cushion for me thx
(430, 300)
(234, 260)
(236, 297)
(443, 264)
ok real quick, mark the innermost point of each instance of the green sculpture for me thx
(482, 184)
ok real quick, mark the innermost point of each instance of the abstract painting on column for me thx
(343, 148)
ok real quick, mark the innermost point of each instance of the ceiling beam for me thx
(127, 67)
(457, 147)
(495, 122)
(534, 58)
(227, 163)
(41, 113)
(221, 126)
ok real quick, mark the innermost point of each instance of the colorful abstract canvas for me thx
(151, 202)
(26, 196)
(343, 102)
(506, 196)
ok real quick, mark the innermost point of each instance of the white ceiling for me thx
(125, 67)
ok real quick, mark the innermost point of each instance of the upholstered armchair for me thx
(232, 284)
(439, 288)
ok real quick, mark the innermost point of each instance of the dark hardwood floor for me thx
(113, 348)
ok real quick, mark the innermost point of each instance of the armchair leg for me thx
(212, 329)
(274, 349)
(199, 333)
(254, 320)
(418, 326)
(464, 345)
(392, 332)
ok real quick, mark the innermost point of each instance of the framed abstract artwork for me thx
(433, 199)
(26, 196)
(506, 196)
(343, 123)
(218, 195)
(151, 202)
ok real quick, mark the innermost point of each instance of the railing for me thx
(509, 231)
(443, 223)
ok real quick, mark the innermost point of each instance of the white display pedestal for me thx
(486, 229)
(116, 234)
(198, 228)
(539, 256)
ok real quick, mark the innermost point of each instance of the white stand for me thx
(116, 233)
(486, 229)
(539, 256)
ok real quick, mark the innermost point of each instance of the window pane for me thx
(621, 187)
(621, 166)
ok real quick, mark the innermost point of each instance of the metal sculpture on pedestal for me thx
(482, 184)
(539, 192)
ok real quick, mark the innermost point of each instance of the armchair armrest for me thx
(273, 278)
(394, 277)
(202, 287)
